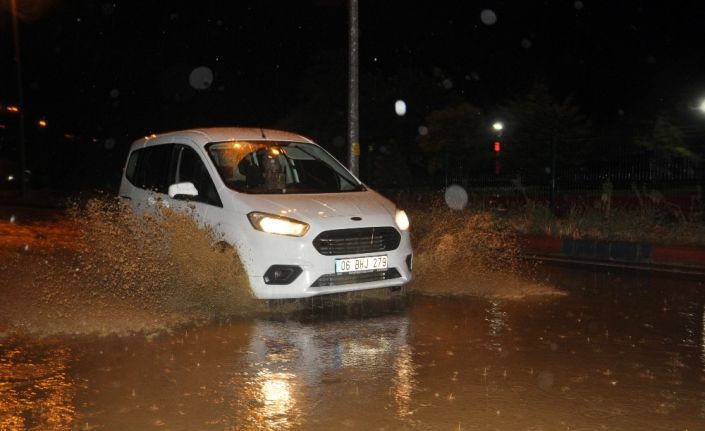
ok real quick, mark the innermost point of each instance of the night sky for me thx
(122, 69)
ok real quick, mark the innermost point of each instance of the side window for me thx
(192, 169)
(149, 168)
(131, 169)
(157, 162)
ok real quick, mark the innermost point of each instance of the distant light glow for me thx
(13, 109)
(702, 106)
(498, 125)
(42, 123)
(400, 108)
(10, 178)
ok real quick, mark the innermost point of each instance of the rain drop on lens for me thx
(488, 17)
(400, 108)
(201, 78)
(456, 197)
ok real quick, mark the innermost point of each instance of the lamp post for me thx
(497, 126)
(20, 98)
(353, 94)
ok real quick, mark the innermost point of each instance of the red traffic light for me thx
(497, 147)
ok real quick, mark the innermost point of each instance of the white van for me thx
(302, 224)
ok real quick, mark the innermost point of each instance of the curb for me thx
(676, 258)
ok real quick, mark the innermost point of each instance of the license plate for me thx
(360, 264)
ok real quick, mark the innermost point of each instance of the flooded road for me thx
(619, 351)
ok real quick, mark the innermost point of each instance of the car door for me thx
(190, 168)
(149, 173)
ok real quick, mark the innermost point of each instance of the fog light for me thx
(282, 274)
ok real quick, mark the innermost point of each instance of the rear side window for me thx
(149, 168)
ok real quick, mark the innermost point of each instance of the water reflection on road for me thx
(620, 351)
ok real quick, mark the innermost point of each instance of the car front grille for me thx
(355, 241)
(356, 277)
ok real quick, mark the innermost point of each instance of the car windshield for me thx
(274, 167)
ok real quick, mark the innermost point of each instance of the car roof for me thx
(203, 136)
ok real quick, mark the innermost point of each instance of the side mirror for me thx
(182, 189)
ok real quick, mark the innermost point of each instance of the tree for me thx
(456, 143)
(454, 128)
(536, 123)
(665, 140)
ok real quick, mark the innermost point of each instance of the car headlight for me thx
(272, 223)
(402, 220)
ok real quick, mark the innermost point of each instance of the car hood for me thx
(321, 206)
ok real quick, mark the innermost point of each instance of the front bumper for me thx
(319, 278)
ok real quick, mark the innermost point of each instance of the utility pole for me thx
(20, 98)
(353, 94)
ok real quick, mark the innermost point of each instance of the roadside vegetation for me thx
(636, 215)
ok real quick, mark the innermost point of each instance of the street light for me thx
(497, 126)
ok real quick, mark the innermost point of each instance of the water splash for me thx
(103, 270)
(163, 258)
(123, 273)
(467, 253)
